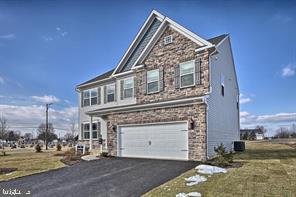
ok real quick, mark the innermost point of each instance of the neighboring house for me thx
(173, 95)
(258, 133)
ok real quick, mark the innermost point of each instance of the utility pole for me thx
(46, 124)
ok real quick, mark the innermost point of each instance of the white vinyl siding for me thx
(128, 88)
(110, 93)
(187, 74)
(153, 81)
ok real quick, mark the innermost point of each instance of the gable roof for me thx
(152, 27)
(216, 40)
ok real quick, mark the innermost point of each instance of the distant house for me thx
(258, 133)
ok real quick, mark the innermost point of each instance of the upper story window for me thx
(110, 93)
(128, 88)
(222, 85)
(187, 70)
(168, 39)
(86, 96)
(153, 81)
(90, 97)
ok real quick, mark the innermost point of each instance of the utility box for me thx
(80, 148)
(239, 146)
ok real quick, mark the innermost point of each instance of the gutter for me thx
(142, 107)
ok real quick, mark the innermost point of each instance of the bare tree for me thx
(46, 136)
(3, 127)
(262, 129)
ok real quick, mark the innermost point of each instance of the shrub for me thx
(38, 148)
(223, 157)
(104, 154)
(59, 147)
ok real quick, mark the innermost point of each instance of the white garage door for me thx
(161, 141)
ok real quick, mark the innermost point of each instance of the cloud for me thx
(55, 35)
(47, 38)
(29, 117)
(289, 71)
(2, 80)
(46, 99)
(270, 121)
(283, 18)
(243, 99)
(7, 37)
(58, 29)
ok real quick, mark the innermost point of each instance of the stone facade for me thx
(195, 112)
(167, 56)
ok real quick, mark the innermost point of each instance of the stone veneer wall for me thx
(197, 136)
(167, 56)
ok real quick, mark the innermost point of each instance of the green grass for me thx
(269, 170)
(28, 162)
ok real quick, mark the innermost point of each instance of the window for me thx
(90, 97)
(128, 88)
(187, 70)
(168, 39)
(222, 85)
(86, 130)
(111, 93)
(93, 96)
(153, 81)
(86, 96)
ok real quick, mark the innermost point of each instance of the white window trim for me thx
(152, 82)
(180, 81)
(90, 97)
(132, 78)
(165, 39)
(89, 130)
(113, 84)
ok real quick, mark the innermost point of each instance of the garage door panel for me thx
(166, 141)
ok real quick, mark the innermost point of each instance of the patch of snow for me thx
(194, 180)
(9, 174)
(191, 194)
(207, 169)
(89, 157)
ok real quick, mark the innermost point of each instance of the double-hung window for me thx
(187, 73)
(90, 97)
(94, 96)
(111, 93)
(128, 88)
(86, 130)
(153, 81)
(86, 96)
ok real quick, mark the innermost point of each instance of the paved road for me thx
(105, 177)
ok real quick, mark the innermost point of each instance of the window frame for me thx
(89, 98)
(222, 81)
(133, 86)
(193, 73)
(165, 39)
(147, 83)
(88, 131)
(107, 86)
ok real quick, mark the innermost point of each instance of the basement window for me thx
(168, 39)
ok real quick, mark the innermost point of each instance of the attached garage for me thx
(160, 141)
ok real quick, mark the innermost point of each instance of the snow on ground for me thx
(191, 194)
(194, 180)
(207, 169)
(89, 157)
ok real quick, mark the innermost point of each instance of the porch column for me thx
(90, 134)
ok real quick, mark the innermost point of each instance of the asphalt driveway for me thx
(104, 177)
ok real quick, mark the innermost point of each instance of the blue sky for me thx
(48, 47)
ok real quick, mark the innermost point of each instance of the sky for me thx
(49, 47)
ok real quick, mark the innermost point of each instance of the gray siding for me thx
(223, 115)
(140, 47)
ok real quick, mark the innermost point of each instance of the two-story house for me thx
(173, 95)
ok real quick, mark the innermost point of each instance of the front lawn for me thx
(269, 170)
(28, 162)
